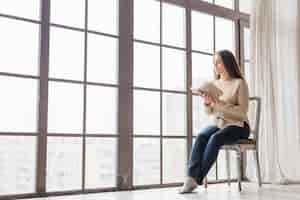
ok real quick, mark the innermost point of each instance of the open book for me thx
(208, 88)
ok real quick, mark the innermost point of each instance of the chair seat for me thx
(242, 145)
(243, 141)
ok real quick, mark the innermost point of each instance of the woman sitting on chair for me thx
(230, 114)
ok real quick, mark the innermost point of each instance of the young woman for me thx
(230, 114)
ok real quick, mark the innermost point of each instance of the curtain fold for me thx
(275, 77)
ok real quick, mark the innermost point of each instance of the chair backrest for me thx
(254, 113)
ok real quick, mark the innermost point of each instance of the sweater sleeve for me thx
(238, 111)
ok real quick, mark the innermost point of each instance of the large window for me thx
(82, 95)
(82, 104)
(159, 93)
(61, 70)
(19, 81)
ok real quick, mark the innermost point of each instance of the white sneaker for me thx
(189, 185)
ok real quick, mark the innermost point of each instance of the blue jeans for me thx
(207, 145)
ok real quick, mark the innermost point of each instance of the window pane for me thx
(211, 176)
(233, 164)
(100, 162)
(66, 54)
(146, 161)
(17, 164)
(27, 9)
(202, 32)
(247, 48)
(102, 16)
(174, 154)
(68, 13)
(209, 1)
(203, 69)
(146, 65)
(147, 20)
(174, 69)
(65, 109)
(246, 6)
(101, 110)
(247, 72)
(200, 118)
(225, 34)
(225, 3)
(19, 40)
(173, 33)
(19, 104)
(252, 111)
(146, 113)
(64, 162)
(102, 59)
(174, 114)
(222, 165)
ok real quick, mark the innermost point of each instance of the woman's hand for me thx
(195, 91)
(208, 100)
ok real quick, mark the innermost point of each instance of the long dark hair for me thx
(230, 64)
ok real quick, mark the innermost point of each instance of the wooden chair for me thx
(245, 145)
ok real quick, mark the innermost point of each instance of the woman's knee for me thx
(217, 139)
(207, 131)
(201, 138)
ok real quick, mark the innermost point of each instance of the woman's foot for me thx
(189, 185)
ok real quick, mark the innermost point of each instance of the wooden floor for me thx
(214, 192)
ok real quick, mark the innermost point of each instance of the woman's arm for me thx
(236, 112)
(208, 109)
(208, 101)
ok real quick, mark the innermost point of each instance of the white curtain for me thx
(275, 77)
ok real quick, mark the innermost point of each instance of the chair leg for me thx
(228, 166)
(239, 168)
(257, 168)
(205, 182)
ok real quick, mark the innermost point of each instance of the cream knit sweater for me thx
(232, 107)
